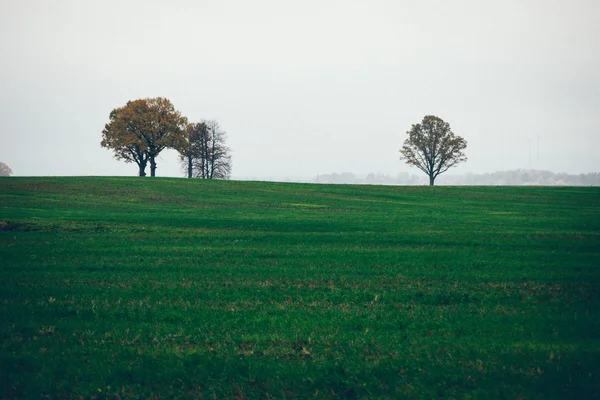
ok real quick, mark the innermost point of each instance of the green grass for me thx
(166, 288)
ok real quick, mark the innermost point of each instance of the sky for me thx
(304, 87)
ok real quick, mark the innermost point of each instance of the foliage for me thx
(204, 153)
(128, 288)
(432, 147)
(5, 170)
(141, 129)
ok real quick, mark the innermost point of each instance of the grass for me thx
(171, 288)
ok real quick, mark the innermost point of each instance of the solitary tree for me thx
(432, 147)
(5, 170)
(143, 128)
(204, 153)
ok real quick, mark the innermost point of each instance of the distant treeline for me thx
(511, 178)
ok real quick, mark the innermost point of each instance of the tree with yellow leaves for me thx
(140, 130)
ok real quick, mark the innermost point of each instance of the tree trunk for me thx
(431, 179)
(190, 169)
(212, 157)
(142, 171)
(152, 166)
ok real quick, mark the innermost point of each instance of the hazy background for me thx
(304, 87)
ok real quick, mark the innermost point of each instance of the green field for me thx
(123, 288)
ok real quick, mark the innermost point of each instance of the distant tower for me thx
(538, 152)
(529, 153)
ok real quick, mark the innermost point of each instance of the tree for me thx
(5, 170)
(204, 153)
(143, 128)
(432, 147)
(190, 147)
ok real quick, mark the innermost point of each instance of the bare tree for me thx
(5, 170)
(204, 154)
(433, 148)
(189, 148)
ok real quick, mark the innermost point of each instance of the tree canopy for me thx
(140, 130)
(5, 170)
(432, 147)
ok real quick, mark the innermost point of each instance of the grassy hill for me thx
(163, 288)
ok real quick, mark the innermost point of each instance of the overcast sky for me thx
(304, 87)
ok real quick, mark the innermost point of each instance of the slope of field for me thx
(166, 288)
